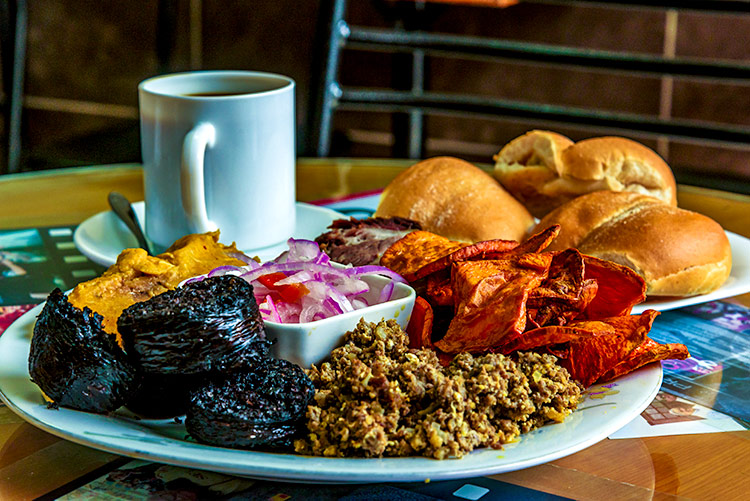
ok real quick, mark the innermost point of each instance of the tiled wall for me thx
(86, 57)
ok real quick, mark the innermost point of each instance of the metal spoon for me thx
(122, 208)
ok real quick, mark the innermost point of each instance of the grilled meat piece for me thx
(209, 325)
(363, 241)
(260, 407)
(76, 363)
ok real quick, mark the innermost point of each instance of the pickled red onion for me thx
(330, 291)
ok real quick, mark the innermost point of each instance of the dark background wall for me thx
(86, 57)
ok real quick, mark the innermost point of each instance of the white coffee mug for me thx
(218, 152)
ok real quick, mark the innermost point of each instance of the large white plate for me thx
(737, 283)
(103, 236)
(603, 412)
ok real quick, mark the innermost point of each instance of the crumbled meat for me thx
(376, 397)
(363, 241)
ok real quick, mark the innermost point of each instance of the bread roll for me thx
(455, 199)
(543, 169)
(677, 252)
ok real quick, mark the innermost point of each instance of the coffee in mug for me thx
(218, 152)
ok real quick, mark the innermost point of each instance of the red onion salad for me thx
(302, 285)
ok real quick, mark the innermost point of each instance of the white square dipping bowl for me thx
(312, 342)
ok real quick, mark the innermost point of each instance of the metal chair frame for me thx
(338, 35)
(13, 26)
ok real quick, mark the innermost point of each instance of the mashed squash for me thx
(136, 276)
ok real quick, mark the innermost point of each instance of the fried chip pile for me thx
(502, 296)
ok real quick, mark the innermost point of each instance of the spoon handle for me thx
(124, 210)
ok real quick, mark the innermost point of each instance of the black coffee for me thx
(214, 94)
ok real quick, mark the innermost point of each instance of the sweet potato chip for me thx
(438, 288)
(539, 241)
(564, 294)
(488, 249)
(419, 327)
(502, 296)
(416, 250)
(549, 310)
(588, 359)
(647, 352)
(492, 299)
(565, 278)
(557, 335)
(620, 288)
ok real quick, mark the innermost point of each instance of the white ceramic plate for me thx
(606, 409)
(103, 236)
(737, 283)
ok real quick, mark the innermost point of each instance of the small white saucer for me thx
(103, 236)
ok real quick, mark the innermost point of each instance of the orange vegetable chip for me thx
(419, 327)
(565, 277)
(539, 241)
(492, 307)
(438, 289)
(564, 293)
(589, 358)
(557, 335)
(543, 311)
(620, 288)
(416, 250)
(488, 249)
(648, 351)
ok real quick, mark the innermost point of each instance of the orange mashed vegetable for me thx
(136, 276)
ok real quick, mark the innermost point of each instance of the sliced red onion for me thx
(313, 310)
(325, 272)
(359, 303)
(387, 292)
(241, 256)
(374, 269)
(289, 312)
(274, 313)
(302, 250)
(226, 270)
(331, 291)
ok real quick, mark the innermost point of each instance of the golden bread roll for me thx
(455, 199)
(677, 252)
(544, 169)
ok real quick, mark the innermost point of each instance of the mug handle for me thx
(192, 183)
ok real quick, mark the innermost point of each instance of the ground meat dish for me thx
(376, 397)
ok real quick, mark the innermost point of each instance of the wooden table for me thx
(710, 466)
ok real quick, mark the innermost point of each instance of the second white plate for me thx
(103, 236)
